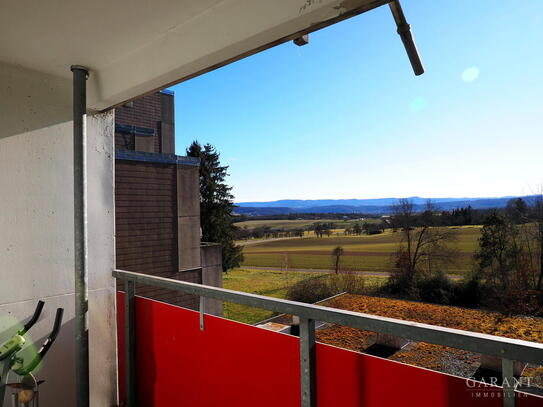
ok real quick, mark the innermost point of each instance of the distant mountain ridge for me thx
(368, 206)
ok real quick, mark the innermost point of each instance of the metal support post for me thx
(307, 362)
(202, 312)
(130, 341)
(508, 383)
(80, 75)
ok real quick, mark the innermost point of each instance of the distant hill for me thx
(367, 206)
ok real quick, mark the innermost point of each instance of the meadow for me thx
(269, 283)
(361, 253)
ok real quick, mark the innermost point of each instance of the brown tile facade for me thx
(143, 112)
(150, 197)
(153, 112)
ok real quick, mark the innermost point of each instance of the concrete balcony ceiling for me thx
(135, 47)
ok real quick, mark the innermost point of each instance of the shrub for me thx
(401, 280)
(437, 288)
(310, 290)
(318, 288)
(346, 282)
(468, 292)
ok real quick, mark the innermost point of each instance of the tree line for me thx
(508, 272)
(267, 232)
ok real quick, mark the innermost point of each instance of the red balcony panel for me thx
(233, 364)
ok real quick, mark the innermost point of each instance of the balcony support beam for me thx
(307, 363)
(80, 75)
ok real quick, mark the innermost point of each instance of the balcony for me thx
(174, 356)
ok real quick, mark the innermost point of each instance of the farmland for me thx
(361, 253)
(288, 224)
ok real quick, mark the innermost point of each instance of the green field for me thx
(361, 253)
(269, 283)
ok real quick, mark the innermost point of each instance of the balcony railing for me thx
(508, 350)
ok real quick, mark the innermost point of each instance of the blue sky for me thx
(344, 117)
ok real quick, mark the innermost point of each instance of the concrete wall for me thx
(188, 212)
(36, 229)
(211, 254)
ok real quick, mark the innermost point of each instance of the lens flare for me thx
(470, 74)
(418, 104)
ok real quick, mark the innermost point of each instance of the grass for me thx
(269, 283)
(362, 253)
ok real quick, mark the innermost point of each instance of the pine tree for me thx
(216, 204)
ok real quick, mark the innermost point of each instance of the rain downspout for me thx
(80, 75)
(404, 30)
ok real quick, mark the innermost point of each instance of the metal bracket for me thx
(301, 41)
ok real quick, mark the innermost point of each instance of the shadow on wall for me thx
(31, 100)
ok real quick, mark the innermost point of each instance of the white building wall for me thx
(36, 229)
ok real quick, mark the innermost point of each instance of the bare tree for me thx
(536, 217)
(531, 239)
(336, 254)
(424, 245)
(509, 263)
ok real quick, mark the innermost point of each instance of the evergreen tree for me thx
(216, 204)
(517, 210)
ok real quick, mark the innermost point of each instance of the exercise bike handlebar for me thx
(23, 370)
(56, 326)
(34, 319)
